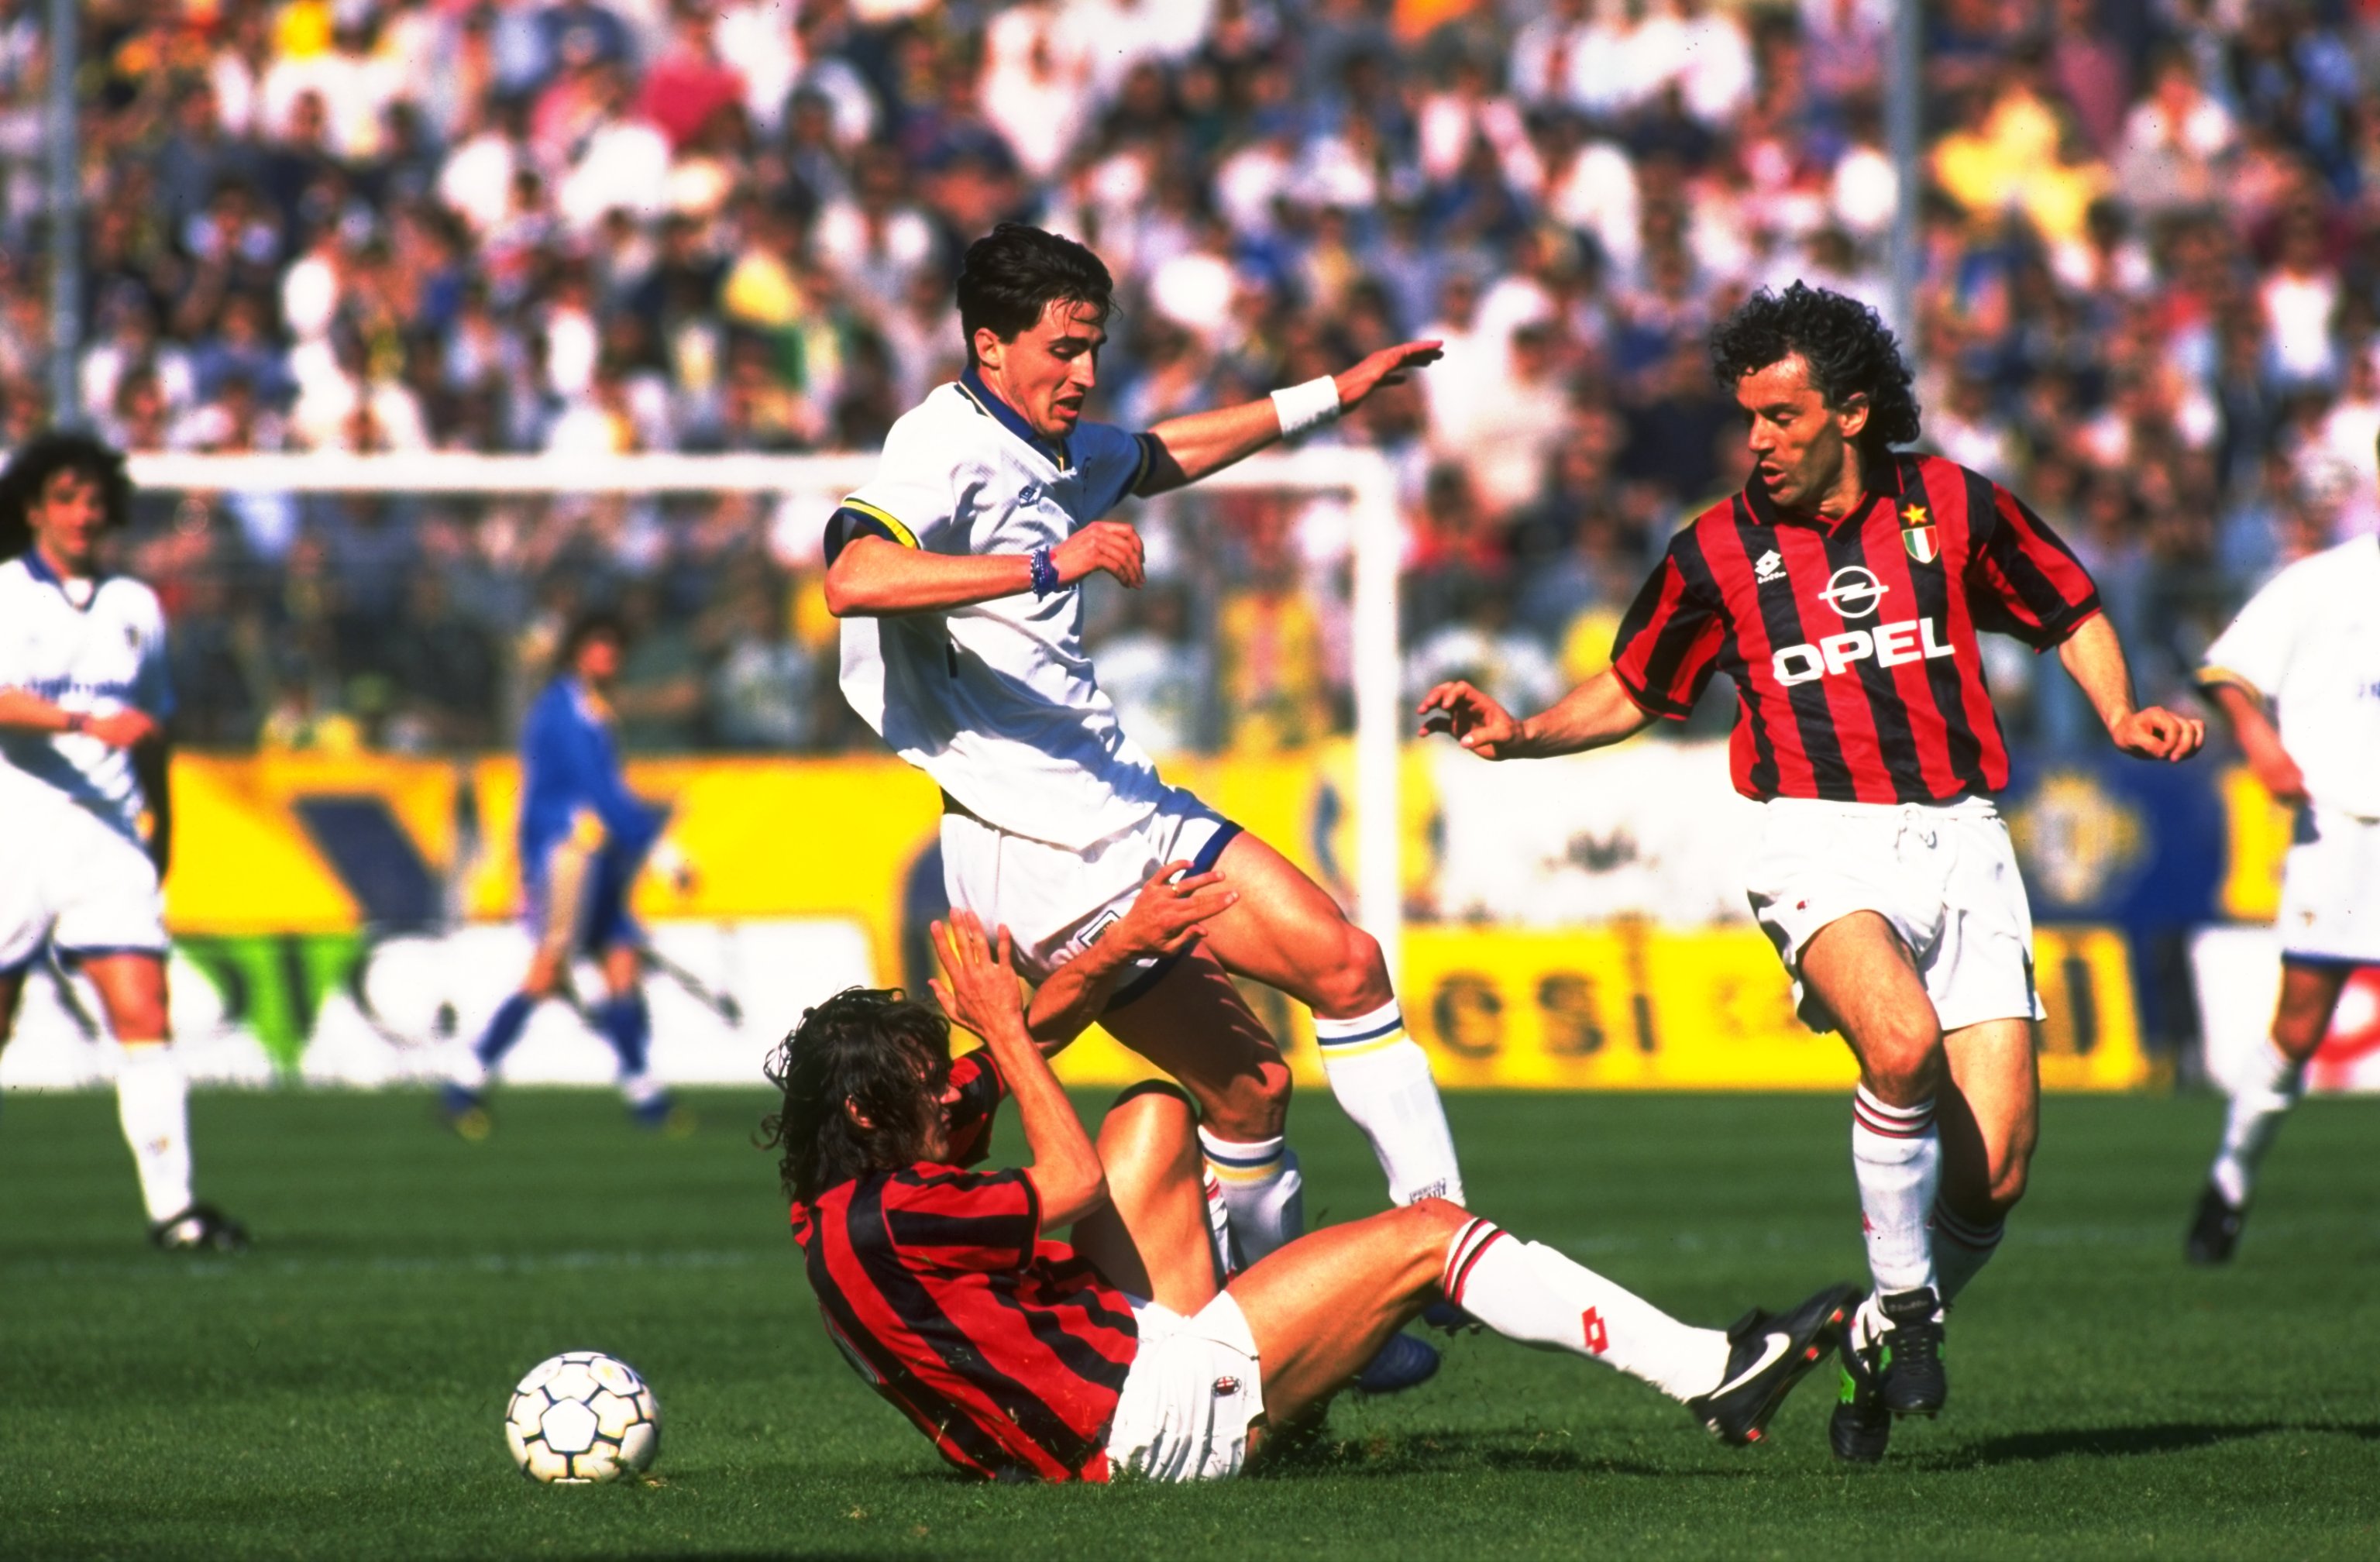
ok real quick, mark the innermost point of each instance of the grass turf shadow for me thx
(2129, 1441)
(1435, 1453)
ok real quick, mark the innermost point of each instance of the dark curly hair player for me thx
(86, 818)
(1843, 592)
(1132, 1347)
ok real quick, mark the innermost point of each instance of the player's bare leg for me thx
(1153, 1239)
(2267, 1088)
(1990, 1121)
(152, 1101)
(1858, 967)
(1285, 932)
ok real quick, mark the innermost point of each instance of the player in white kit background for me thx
(2297, 675)
(955, 575)
(86, 824)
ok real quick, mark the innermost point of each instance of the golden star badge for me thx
(1915, 515)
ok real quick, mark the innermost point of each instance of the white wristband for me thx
(1301, 407)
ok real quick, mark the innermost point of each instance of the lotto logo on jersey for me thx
(1888, 645)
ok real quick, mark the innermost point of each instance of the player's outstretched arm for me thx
(873, 578)
(2260, 740)
(2095, 659)
(1191, 446)
(1597, 713)
(21, 711)
(977, 989)
(1164, 920)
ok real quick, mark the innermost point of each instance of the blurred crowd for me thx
(2149, 300)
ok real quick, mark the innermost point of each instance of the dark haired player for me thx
(1024, 1358)
(583, 839)
(954, 573)
(86, 822)
(1842, 591)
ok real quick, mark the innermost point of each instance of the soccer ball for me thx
(582, 1416)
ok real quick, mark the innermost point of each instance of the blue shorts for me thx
(601, 919)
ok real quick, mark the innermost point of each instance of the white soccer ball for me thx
(583, 1416)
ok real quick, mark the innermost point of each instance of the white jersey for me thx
(106, 655)
(2310, 643)
(998, 702)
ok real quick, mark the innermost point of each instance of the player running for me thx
(584, 837)
(1841, 592)
(2298, 676)
(954, 573)
(88, 832)
(1026, 1358)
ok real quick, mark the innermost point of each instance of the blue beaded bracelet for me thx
(1045, 572)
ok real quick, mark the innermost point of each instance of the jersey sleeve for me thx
(2253, 653)
(912, 500)
(1669, 642)
(1112, 463)
(153, 684)
(2022, 580)
(980, 1091)
(944, 1218)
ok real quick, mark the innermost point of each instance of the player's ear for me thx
(988, 349)
(1852, 414)
(859, 1119)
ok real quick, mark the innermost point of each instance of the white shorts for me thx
(1193, 1390)
(1945, 876)
(2330, 889)
(71, 880)
(1055, 902)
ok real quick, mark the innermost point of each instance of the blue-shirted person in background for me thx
(583, 838)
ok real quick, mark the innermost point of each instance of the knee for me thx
(1250, 1105)
(2010, 1173)
(1355, 979)
(1902, 1062)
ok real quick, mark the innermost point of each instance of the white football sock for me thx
(1529, 1292)
(1381, 1077)
(1961, 1248)
(1261, 1189)
(2269, 1087)
(1218, 1229)
(1897, 1154)
(152, 1102)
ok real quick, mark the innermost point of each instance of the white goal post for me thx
(1363, 477)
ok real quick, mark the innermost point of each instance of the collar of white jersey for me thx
(39, 568)
(986, 401)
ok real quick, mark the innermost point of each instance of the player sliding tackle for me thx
(954, 573)
(1020, 1356)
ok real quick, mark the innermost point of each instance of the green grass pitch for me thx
(338, 1392)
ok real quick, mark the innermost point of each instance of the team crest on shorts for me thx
(1917, 534)
(1226, 1387)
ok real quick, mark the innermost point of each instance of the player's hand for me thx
(978, 988)
(2156, 733)
(122, 729)
(1167, 913)
(1103, 544)
(1386, 367)
(1472, 719)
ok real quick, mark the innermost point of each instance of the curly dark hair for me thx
(43, 456)
(1016, 271)
(873, 1048)
(1850, 351)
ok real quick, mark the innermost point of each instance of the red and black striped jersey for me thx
(1852, 644)
(1006, 1350)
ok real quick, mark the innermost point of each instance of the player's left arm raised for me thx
(2096, 658)
(1189, 447)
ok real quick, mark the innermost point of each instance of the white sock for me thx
(1263, 1194)
(1219, 1230)
(152, 1101)
(1961, 1248)
(1897, 1154)
(1529, 1292)
(2271, 1086)
(1381, 1077)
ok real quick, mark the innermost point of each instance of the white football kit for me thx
(1053, 817)
(2310, 643)
(74, 869)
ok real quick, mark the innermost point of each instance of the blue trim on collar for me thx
(1009, 418)
(39, 568)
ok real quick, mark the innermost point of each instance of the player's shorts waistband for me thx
(1782, 810)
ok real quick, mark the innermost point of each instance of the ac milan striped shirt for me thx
(1006, 1350)
(1853, 643)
